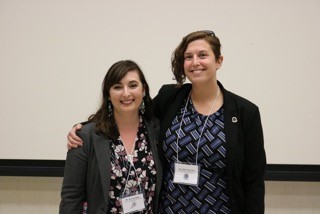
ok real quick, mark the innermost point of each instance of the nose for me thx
(195, 61)
(126, 91)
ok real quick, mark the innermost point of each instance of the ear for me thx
(144, 91)
(219, 61)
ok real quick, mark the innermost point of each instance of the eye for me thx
(203, 55)
(117, 87)
(133, 85)
(187, 57)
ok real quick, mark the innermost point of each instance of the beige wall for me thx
(54, 55)
(31, 195)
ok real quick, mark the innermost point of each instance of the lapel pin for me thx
(234, 119)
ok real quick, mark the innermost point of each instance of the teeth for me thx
(126, 101)
(197, 71)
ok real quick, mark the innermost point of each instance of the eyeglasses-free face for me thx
(126, 96)
(200, 64)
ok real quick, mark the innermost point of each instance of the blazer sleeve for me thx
(254, 165)
(158, 103)
(163, 99)
(73, 191)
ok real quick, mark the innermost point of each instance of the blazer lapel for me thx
(232, 124)
(102, 150)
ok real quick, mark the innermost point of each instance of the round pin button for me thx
(234, 119)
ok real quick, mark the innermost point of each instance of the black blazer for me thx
(88, 171)
(246, 160)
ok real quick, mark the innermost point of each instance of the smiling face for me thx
(200, 64)
(126, 96)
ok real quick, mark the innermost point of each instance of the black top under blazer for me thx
(88, 171)
(246, 160)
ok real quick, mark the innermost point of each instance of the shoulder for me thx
(169, 96)
(236, 101)
(169, 92)
(248, 116)
(87, 133)
(172, 89)
(241, 101)
(238, 106)
(87, 128)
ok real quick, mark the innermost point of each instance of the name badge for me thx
(133, 203)
(186, 174)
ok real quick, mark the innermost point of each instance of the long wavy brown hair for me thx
(106, 124)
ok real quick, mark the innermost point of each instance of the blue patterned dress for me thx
(211, 195)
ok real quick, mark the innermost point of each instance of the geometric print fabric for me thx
(210, 195)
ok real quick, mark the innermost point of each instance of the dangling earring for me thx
(142, 107)
(109, 109)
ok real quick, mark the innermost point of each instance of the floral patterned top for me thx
(140, 176)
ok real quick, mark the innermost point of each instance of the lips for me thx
(127, 102)
(197, 71)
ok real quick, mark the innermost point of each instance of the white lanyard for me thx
(130, 161)
(205, 123)
(132, 202)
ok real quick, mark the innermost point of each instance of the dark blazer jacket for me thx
(88, 171)
(246, 160)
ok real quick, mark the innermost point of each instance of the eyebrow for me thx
(131, 81)
(201, 51)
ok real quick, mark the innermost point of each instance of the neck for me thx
(127, 121)
(204, 92)
(128, 125)
(205, 98)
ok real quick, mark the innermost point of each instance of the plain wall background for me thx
(54, 55)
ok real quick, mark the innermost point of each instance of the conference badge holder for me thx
(186, 173)
(133, 203)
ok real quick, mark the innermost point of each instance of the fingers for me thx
(68, 145)
(78, 126)
(73, 140)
